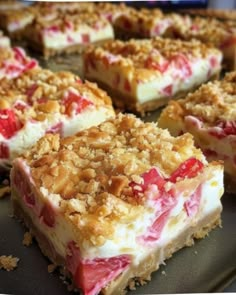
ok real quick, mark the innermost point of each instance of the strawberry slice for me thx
(189, 169)
(19, 54)
(223, 129)
(47, 215)
(149, 178)
(181, 63)
(191, 206)
(85, 38)
(9, 124)
(75, 102)
(57, 128)
(91, 275)
(161, 67)
(4, 151)
(168, 90)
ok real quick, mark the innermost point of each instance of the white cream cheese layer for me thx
(83, 35)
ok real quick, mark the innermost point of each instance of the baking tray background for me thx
(208, 266)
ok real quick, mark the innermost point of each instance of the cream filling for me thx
(4, 41)
(125, 237)
(145, 91)
(56, 40)
(33, 131)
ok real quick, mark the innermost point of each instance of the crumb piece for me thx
(51, 268)
(4, 190)
(132, 285)
(195, 252)
(163, 273)
(8, 263)
(27, 240)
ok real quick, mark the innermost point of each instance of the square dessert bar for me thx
(70, 32)
(14, 62)
(14, 21)
(141, 23)
(209, 115)
(142, 75)
(40, 102)
(111, 203)
(220, 34)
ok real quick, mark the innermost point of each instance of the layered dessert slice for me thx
(141, 23)
(68, 33)
(221, 34)
(14, 21)
(108, 207)
(14, 62)
(209, 115)
(41, 102)
(141, 75)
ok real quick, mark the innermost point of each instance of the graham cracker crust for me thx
(127, 102)
(141, 272)
(49, 52)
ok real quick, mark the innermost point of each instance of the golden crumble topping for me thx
(207, 30)
(27, 240)
(40, 93)
(13, 15)
(8, 262)
(89, 174)
(138, 56)
(212, 102)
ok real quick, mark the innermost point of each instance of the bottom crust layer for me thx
(141, 272)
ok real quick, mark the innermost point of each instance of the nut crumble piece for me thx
(8, 263)
(27, 240)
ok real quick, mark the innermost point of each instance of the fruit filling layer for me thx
(105, 199)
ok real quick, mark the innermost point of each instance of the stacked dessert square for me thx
(208, 114)
(111, 203)
(141, 75)
(109, 197)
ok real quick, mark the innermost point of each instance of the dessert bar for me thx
(220, 34)
(209, 115)
(11, 4)
(68, 33)
(40, 102)
(14, 62)
(142, 75)
(111, 203)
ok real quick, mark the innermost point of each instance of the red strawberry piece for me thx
(210, 153)
(213, 61)
(70, 39)
(20, 105)
(192, 204)
(228, 42)
(92, 275)
(9, 124)
(127, 24)
(30, 91)
(4, 151)
(19, 54)
(75, 102)
(53, 29)
(47, 215)
(149, 178)
(161, 67)
(182, 64)
(57, 128)
(85, 38)
(189, 169)
(30, 65)
(168, 90)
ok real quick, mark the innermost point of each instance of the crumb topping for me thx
(27, 240)
(8, 263)
(138, 56)
(39, 94)
(212, 102)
